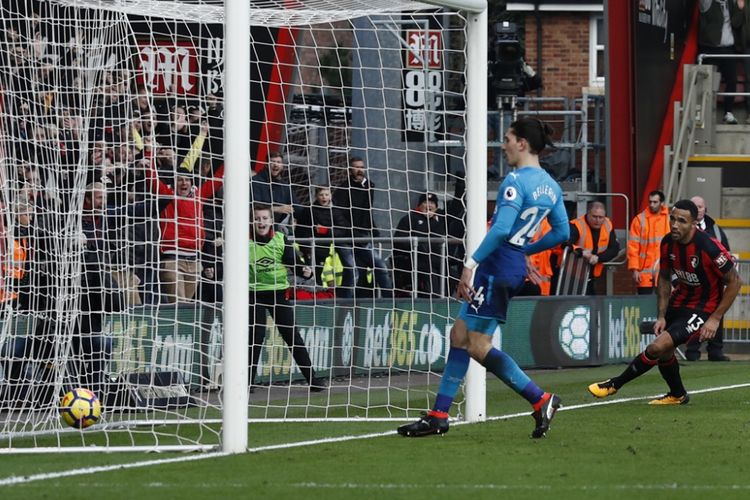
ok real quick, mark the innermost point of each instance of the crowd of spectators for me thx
(107, 189)
(158, 158)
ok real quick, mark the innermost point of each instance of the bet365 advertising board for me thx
(349, 340)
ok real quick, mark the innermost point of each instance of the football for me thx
(80, 408)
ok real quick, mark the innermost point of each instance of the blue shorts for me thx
(490, 303)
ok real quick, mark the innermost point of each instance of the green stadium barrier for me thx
(347, 341)
(620, 333)
(183, 339)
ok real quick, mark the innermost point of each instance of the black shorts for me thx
(683, 326)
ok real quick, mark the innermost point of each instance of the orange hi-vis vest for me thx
(541, 260)
(586, 242)
(13, 271)
(646, 232)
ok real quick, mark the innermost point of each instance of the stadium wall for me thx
(565, 52)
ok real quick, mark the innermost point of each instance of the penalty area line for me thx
(13, 480)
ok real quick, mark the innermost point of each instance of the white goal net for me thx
(112, 215)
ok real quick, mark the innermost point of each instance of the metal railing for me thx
(384, 247)
(572, 117)
(737, 319)
(693, 114)
(689, 115)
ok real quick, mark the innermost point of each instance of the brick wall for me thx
(623, 281)
(565, 52)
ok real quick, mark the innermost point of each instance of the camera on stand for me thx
(509, 75)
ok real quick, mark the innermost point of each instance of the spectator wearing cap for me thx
(423, 224)
(182, 229)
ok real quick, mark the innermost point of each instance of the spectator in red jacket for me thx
(182, 230)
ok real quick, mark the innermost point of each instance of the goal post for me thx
(476, 181)
(238, 89)
(237, 201)
(127, 100)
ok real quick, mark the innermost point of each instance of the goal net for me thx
(112, 214)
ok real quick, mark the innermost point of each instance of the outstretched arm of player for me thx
(560, 232)
(732, 285)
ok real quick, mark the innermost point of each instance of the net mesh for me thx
(262, 13)
(111, 141)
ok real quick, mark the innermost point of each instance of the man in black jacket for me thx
(100, 293)
(425, 223)
(320, 220)
(354, 200)
(715, 36)
(715, 346)
(271, 186)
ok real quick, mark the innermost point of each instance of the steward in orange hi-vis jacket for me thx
(541, 261)
(14, 270)
(646, 232)
(594, 235)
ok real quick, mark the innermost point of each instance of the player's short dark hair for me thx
(658, 193)
(537, 133)
(689, 206)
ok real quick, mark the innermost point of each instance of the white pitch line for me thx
(103, 468)
(12, 480)
(524, 487)
(623, 400)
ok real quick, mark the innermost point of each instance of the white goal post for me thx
(73, 75)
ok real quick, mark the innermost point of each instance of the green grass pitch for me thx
(624, 450)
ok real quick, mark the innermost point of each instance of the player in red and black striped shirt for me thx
(707, 284)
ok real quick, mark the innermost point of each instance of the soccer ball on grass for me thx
(80, 408)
